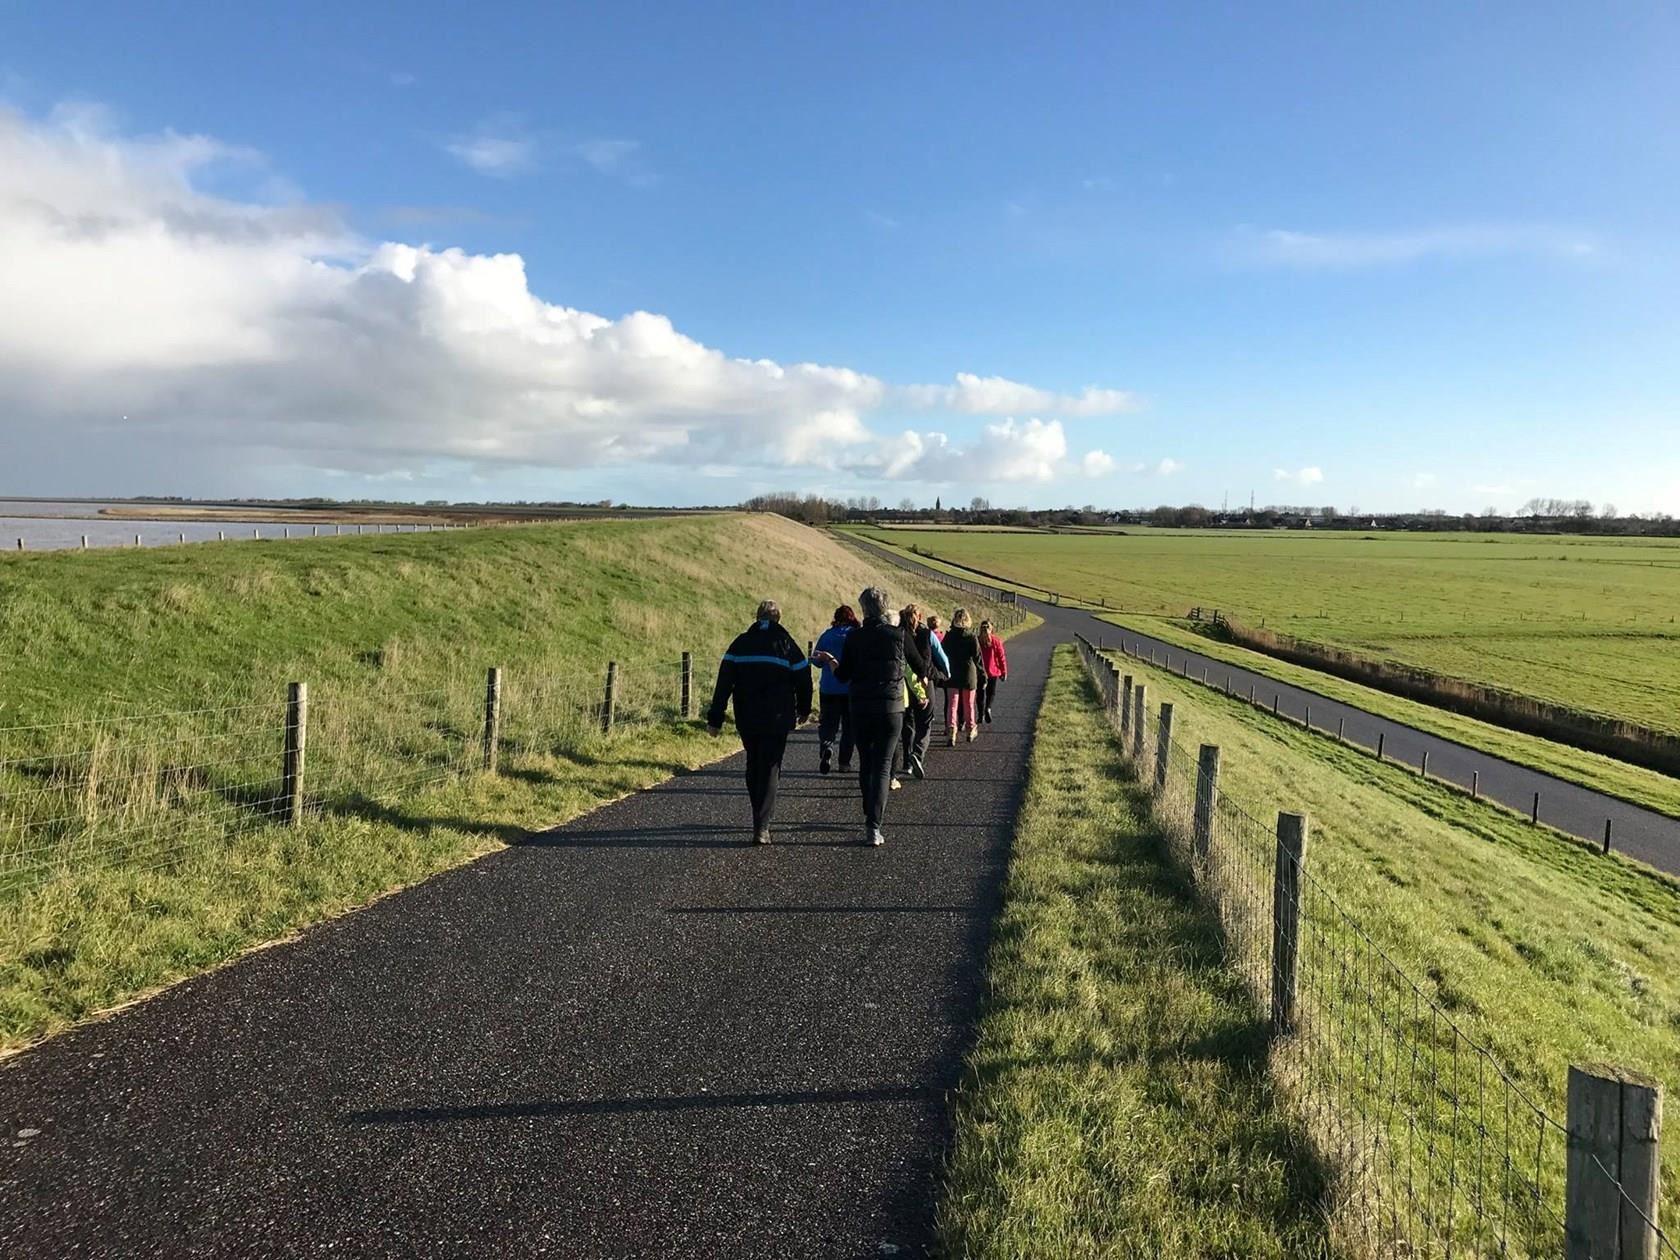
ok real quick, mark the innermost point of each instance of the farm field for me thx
(1649, 788)
(1588, 623)
(143, 707)
(1541, 950)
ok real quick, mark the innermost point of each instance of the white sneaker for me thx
(876, 839)
(896, 784)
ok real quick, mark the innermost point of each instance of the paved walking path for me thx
(636, 1035)
(1645, 834)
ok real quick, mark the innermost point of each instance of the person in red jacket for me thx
(994, 668)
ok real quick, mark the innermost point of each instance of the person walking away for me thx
(834, 701)
(918, 715)
(872, 664)
(994, 668)
(766, 672)
(962, 650)
(929, 639)
(938, 636)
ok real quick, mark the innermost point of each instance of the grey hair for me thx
(769, 610)
(872, 600)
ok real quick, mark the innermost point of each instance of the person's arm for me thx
(720, 694)
(936, 649)
(1003, 659)
(801, 669)
(913, 654)
(848, 658)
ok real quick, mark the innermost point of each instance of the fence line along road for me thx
(1435, 1148)
(1585, 813)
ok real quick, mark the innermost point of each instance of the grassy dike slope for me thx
(1117, 1102)
(1540, 948)
(393, 634)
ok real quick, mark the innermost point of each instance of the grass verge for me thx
(1539, 948)
(1117, 1101)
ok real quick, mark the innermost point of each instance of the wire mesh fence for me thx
(140, 791)
(1437, 1149)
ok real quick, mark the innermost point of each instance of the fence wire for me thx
(142, 791)
(1437, 1150)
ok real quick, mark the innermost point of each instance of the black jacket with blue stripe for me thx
(767, 673)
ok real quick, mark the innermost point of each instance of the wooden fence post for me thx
(1125, 708)
(1286, 920)
(687, 685)
(1475, 784)
(297, 741)
(1140, 701)
(1534, 814)
(1423, 764)
(1382, 737)
(1607, 835)
(492, 717)
(1207, 800)
(1341, 725)
(1614, 1120)
(609, 702)
(1163, 747)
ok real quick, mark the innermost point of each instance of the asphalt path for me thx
(634, 1035)
(1640, 833)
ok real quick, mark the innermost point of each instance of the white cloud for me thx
(1301, 476)
(997, 396)
(498, 147)
(238, 335)
(1278, 247)
(1167, 467)
(1034, 450)
(1096, 463)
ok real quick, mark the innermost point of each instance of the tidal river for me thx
(44, 526)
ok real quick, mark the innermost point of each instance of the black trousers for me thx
(834, 717)
(916, 733)
(877, 740)
(764, 772)
(983, 698)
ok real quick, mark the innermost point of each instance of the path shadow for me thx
(948, 910)
(370, 810)
(651, 1104)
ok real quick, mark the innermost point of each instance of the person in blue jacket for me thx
(766, 672)
(834, 701)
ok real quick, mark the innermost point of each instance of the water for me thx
(56, 526)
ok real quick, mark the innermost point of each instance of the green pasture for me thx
(1585, 622)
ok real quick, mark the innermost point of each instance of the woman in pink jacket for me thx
(994, 667)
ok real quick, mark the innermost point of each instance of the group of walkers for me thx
(875, 698)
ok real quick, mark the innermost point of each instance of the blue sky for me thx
(1421, 256)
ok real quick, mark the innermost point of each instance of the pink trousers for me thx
(959, 702)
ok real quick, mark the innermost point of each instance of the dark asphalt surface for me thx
(1640, 833)
(637, 1035)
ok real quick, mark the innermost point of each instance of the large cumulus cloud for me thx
(137, 308)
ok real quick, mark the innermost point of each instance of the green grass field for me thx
(136, 849)
(1650, 788)
(1117, 1102)
(1589, 623)
(1538, 948)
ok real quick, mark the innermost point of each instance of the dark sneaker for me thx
(917, 769)
(822, 765)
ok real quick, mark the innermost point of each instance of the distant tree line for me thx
(1538, 515)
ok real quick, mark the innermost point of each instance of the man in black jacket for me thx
(768, 675)
(872, 662)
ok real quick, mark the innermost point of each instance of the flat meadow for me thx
(1586, 622)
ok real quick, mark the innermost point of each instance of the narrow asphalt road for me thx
(1645, 834)
(635, 1035)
